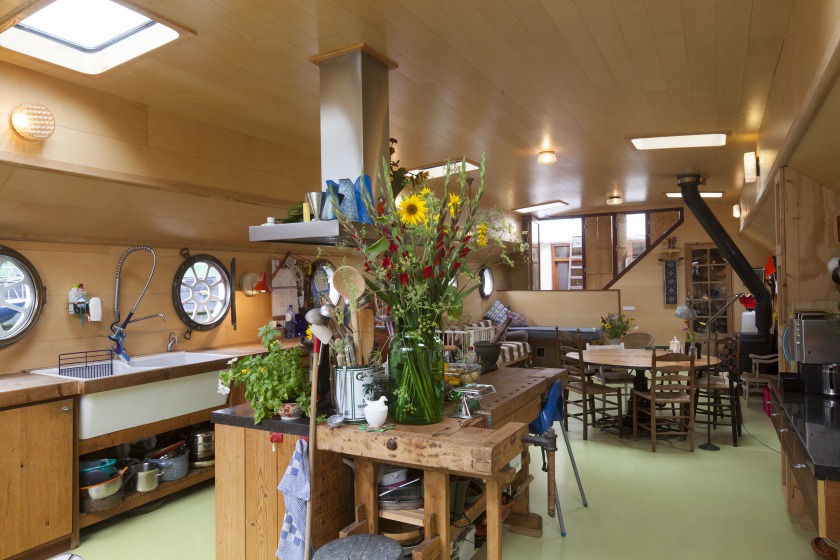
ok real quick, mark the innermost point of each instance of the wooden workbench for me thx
(479, 448)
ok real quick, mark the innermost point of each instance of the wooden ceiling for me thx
(505, 77)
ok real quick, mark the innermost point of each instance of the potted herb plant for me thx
(271, 380)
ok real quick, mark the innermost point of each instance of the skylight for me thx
(685, 141)
(89, 36)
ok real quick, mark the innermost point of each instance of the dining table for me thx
(638, 360)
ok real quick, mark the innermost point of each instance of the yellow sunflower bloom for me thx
(425, 191)
(481, 235)
(413, 210)
(309, 332)
(454, 202)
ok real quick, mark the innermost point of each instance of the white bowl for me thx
(375, 418)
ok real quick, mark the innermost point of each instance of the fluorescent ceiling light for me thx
(702, 194)
(88, 36)
(439, 170)
(543, 206)
(686, 141)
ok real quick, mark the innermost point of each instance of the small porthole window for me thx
(485, 279)
(21, 296)
(201, 292)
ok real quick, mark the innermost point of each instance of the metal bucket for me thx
(351, 389)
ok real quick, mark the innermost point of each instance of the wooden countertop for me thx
(23, 388)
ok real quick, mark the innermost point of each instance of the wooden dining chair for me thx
(716, 391)
(621, 377)
(637, 340)
(759, 377)
(582, 392)
(670, 384)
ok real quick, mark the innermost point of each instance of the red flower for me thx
(367, 266)
(392, 247)
(464, 252)
(386, 262)
(428, 272)
(456, 265)
(403, 278)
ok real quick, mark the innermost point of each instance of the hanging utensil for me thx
(350, 284)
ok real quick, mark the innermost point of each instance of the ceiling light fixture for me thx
(736, 210)
(547, 157)
(440, 169)
(32, 121)
(702, 194)
(685, 141)
(750, 167)
(543, 206)
(614, 200)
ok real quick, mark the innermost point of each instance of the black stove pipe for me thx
(763, 304)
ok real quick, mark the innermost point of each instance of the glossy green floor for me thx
(669, 504)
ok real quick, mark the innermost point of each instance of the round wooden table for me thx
(638, 360)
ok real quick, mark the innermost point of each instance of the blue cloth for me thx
(295, 488)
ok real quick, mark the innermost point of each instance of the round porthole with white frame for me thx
(22, 296)
(485, 282)
(201, 292)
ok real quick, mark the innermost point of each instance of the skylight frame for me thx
(130, 44)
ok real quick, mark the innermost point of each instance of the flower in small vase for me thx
(615, 325)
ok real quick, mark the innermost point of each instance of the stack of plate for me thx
(202, 445)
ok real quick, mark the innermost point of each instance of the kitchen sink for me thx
(127, 407)
(174, 359)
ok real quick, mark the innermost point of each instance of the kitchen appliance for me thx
(468, 398)
(813, 341)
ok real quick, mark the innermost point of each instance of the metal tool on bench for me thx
(468, 398)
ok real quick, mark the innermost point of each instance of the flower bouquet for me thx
(423, 244)
(615, 325)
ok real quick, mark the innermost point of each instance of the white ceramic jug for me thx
(376, 412)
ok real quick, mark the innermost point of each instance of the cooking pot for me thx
(175, 467)
(144, 477)
(203, 436)
(100, 504)
(98, 490)
(831, 380)
(105, 465)
(199, 449)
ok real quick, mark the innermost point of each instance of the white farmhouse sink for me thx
(119, 409)
(174, 359)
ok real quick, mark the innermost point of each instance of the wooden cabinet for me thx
(709, 287)
(250, 509)
(36, 479)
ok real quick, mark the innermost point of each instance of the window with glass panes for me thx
(708, 287)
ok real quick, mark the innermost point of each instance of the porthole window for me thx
(485, 279)
(21, 296)
(201, 292)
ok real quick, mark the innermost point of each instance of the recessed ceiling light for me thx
(702, 194)
(440, 169)
(547, 157)
(543, 206)
(88, 36)
(685, 141)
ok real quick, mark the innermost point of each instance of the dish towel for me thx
(295, 488)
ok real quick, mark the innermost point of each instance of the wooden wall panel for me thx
(562, 309)
(62, 265)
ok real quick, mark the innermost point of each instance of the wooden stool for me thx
(360, 547)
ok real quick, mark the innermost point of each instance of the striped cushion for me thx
(497, 313)
(514, 351)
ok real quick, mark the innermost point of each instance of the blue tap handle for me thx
(119, 341)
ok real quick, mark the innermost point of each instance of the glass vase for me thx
(415, 371)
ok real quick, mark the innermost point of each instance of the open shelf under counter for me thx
(133, 500)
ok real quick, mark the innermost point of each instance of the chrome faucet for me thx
(173, 341)
(118, 329)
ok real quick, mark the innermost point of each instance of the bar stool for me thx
(360, 547)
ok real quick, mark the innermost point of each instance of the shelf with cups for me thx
(132, 500)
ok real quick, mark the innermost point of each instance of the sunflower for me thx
(454, 202)
(413, 210)
(425, 191)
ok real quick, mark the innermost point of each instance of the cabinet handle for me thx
(799, 466)
(782, 430)
(65, 409)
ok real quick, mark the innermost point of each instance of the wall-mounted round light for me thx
(547, 157)
(33, 121)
